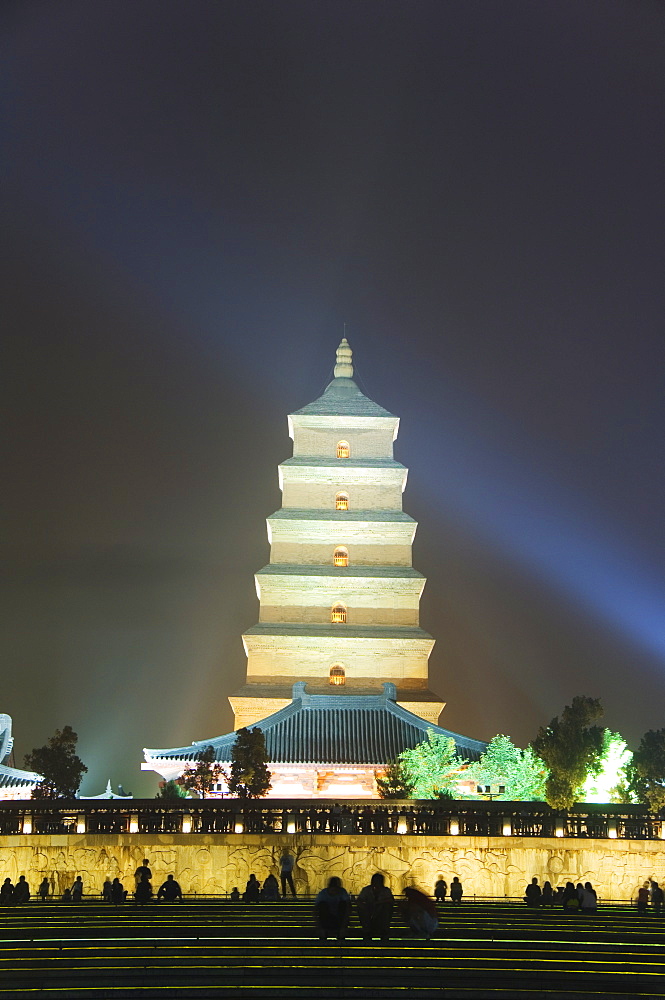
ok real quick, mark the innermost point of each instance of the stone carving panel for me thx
(214, 864)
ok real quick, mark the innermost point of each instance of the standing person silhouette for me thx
(456, 891)
(533, 893)
(286, 865)
(21, 891)
(143, 869)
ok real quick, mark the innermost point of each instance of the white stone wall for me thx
(372, 443)
(321, 553)
(273, 658)
(314, 495)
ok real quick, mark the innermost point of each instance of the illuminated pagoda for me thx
(337, 665)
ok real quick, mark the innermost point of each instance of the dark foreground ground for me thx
(223, 949)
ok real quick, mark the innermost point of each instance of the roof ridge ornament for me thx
(344, 360)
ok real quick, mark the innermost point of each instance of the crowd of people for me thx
(571, 898)
(113, 891)
(375, 903)
(583, 898)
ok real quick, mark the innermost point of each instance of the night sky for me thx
(195, 198)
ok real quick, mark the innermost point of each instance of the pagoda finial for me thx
(344, 360)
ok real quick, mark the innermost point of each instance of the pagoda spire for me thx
(344, 360)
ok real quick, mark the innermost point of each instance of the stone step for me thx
(269, 950)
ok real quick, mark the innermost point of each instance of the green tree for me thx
(392, 783)
(432, 768)
(571, 748)
(250, 774)
(520, 772)
(171, 791)
(646, 771)
(204, 774)
(60, 769)
(609, 783)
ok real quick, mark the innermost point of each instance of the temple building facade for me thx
(338, 646)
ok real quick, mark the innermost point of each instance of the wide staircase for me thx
(217, 948)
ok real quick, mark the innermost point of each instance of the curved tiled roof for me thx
(337, 630)
(310, 462)
(343, 398)
(334, 729)
(326, 570)
(338, 517)
(12, 777)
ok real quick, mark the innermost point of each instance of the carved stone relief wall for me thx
(209, 864)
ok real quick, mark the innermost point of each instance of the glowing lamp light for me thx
(186, 823)
(27, 823)
(558, 828)
(454, 826)
(291, 824)
(239, 826)
(134, 823)
(662, 831)
(80, 823)
(401, 825)
(507, 827)
(612, 829)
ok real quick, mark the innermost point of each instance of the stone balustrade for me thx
(390, 818)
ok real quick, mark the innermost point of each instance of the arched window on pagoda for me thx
(343, 449)
(338, 613)
(342, 501)
(337, 674)
(341, 556)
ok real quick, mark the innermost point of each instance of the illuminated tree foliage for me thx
(520, 772)
(171, 791)
(610, 782)
(204, 774)
(57, 763)
(646, 771)
(392, 783)
(571, 748)
(250, 775)
(432, 768)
